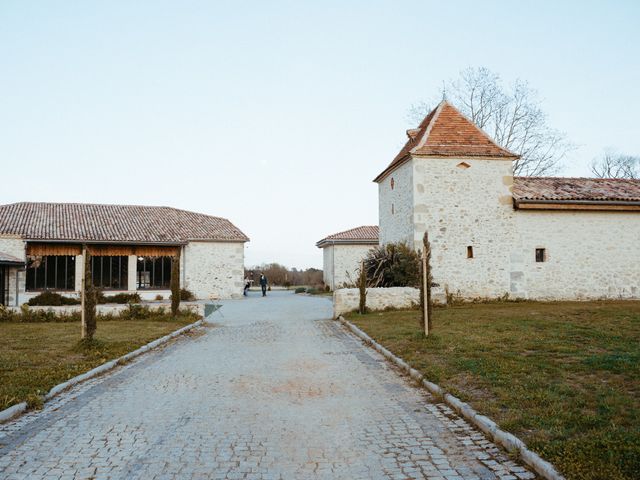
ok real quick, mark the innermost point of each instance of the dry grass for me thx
(37, 356)
(565, 377)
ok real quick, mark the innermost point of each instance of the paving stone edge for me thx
(505, 439)
(20, 408)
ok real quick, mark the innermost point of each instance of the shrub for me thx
(159, 298)
(186, 295)
(52, 299)
(120, 298)
(392, 265)
(300, 290)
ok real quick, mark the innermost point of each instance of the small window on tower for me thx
(541, 255)
(469, 251)
(393, 209)
(393, 183)
(463, 165)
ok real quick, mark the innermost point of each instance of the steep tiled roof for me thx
(113, 223)
(445, 132)
(576, 189)
(367, 234)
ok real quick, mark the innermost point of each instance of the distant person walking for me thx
(263, 284)
(247, 285)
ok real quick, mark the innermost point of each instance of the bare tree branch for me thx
(513, 117)
(616, 165)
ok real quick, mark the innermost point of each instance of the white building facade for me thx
(493, 234)
(343, 253)
(132, 250)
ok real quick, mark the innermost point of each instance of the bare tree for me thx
(616, 165)
(513, 117)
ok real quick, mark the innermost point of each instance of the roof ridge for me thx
(114, 205)
(428, 127)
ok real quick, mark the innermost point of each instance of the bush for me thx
(186, 295)
(300, 290)
(393, 265)
(159, 298)
(120, 298)
(52, 299)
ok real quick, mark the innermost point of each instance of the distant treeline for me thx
(282, 276)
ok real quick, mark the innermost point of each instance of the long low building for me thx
(132, 250)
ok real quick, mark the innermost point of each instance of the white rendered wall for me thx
(327, 267)
(14, 246)
(395, 206)
(345, 263)
(214, 270)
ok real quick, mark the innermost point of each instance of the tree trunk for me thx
(175, 284)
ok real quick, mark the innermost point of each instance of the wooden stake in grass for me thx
(427, 280)
(175, 284)
(362, 284)
(88, 299)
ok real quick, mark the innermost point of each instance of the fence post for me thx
(426, 284)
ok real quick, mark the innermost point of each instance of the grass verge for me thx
(34, 357)
(563, 376)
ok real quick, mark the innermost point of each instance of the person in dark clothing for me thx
(263, 284)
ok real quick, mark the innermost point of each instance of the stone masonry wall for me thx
(348, 299)
(590, 255)
(214, 269)
(466, 207)
(343, 261)
(327, 266)
(395, 206)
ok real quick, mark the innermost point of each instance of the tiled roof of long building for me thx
(561, 189)
(113, 223)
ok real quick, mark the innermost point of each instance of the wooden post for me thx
(83, 294)
(426, 284)
(362, 285)
(425, 306)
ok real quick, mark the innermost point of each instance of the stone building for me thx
(132, 250)
(342, 253)
(493, 233)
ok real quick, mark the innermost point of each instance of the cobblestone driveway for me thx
(273, 390)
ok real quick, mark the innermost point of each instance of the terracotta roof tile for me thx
(113, 223)
(576, 189)
(367, 234)
(445, 132)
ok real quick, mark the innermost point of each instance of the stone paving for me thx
(273, 389)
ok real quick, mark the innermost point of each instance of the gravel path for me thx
(274, 389)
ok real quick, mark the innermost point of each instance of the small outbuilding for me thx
(343, 252)
(132, 249)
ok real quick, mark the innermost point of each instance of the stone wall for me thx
(118, 308)
(348, 299)
(589, 254)
(395, 206)
(341, 264)
(214, 269)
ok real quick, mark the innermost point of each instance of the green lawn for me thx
(564, 377)
(37, 356)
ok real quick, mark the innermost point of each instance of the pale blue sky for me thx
(277, 115)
